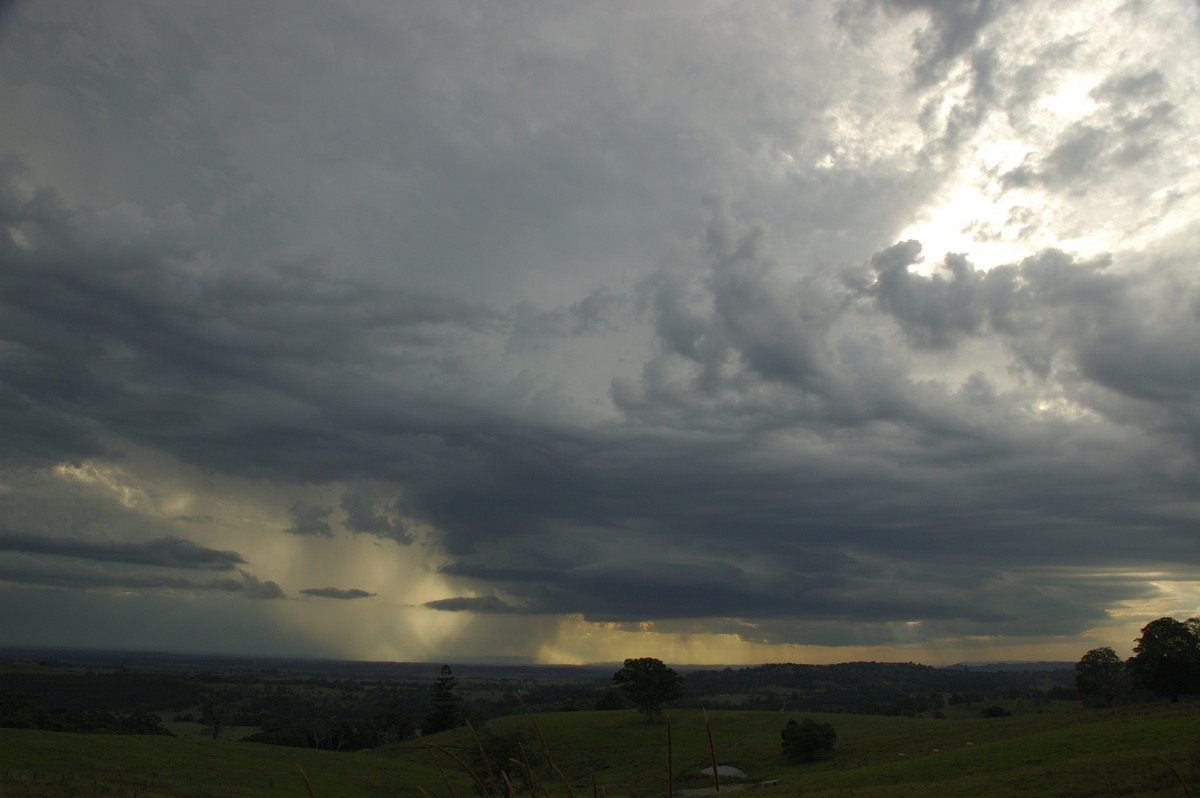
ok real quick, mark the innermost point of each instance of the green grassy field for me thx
(1133, 751)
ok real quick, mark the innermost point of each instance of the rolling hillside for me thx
(1140, 750)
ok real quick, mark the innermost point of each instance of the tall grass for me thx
(490, 788)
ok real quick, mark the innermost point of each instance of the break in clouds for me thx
(858, 323)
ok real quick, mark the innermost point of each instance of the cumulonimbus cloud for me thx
(511, 327)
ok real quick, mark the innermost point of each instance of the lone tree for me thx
(807, 740)
(1101, 672)
(1166, 658)
(649, 684)
(445, 704)
(214, 712)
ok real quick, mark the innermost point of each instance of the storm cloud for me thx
(168, 552)
(27, 571)
(345, 594)
(862, 328)
(486, 604)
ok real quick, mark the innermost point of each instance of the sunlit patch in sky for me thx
(18, 237)
(966, 221)
(108, 477)
(1071, 101)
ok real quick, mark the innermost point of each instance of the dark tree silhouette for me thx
(807, 740)
(445, 704)
(214, 712)
(1101, 672)
(1166, 658)
(390, 725)
(610, 700)
(649, 684)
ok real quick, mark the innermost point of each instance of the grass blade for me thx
(429, 747)
(466, 768)
(712, 750)
(486, 763)
(307, 783)
(670, 759)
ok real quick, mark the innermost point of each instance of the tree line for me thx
(1165, 663)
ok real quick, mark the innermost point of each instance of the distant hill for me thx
(878, 688)
(902, 688)
(235, 664)
(1013, 666)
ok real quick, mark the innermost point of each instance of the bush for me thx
(141, 723)
(609, 701)
(808, 740)
(994, 712)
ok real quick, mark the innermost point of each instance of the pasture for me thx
(1141, 750)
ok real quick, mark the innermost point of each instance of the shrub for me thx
(807, 740)
(610, 700)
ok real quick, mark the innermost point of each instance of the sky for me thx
(718, 332)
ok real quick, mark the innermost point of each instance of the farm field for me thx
(1149, 749)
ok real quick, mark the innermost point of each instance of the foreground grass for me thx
(34, 763)
(1133, 751)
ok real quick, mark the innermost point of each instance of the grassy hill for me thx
(1139, 750)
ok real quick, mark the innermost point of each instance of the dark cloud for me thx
(485, 604)
(934, 311)
(168, 552)
(462, 292)
(170, 621)
(745, 353)
(256, 588)
(28, 571)
(1053, 311)
(337, 593)
(1128, 135)
(785, 607)
(723, 505)
(1076, 156)
(132, 335)
(1131, 86)
(310, 520)
(952, 31)
(371, 512)
(735, 316)
(965, 116)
